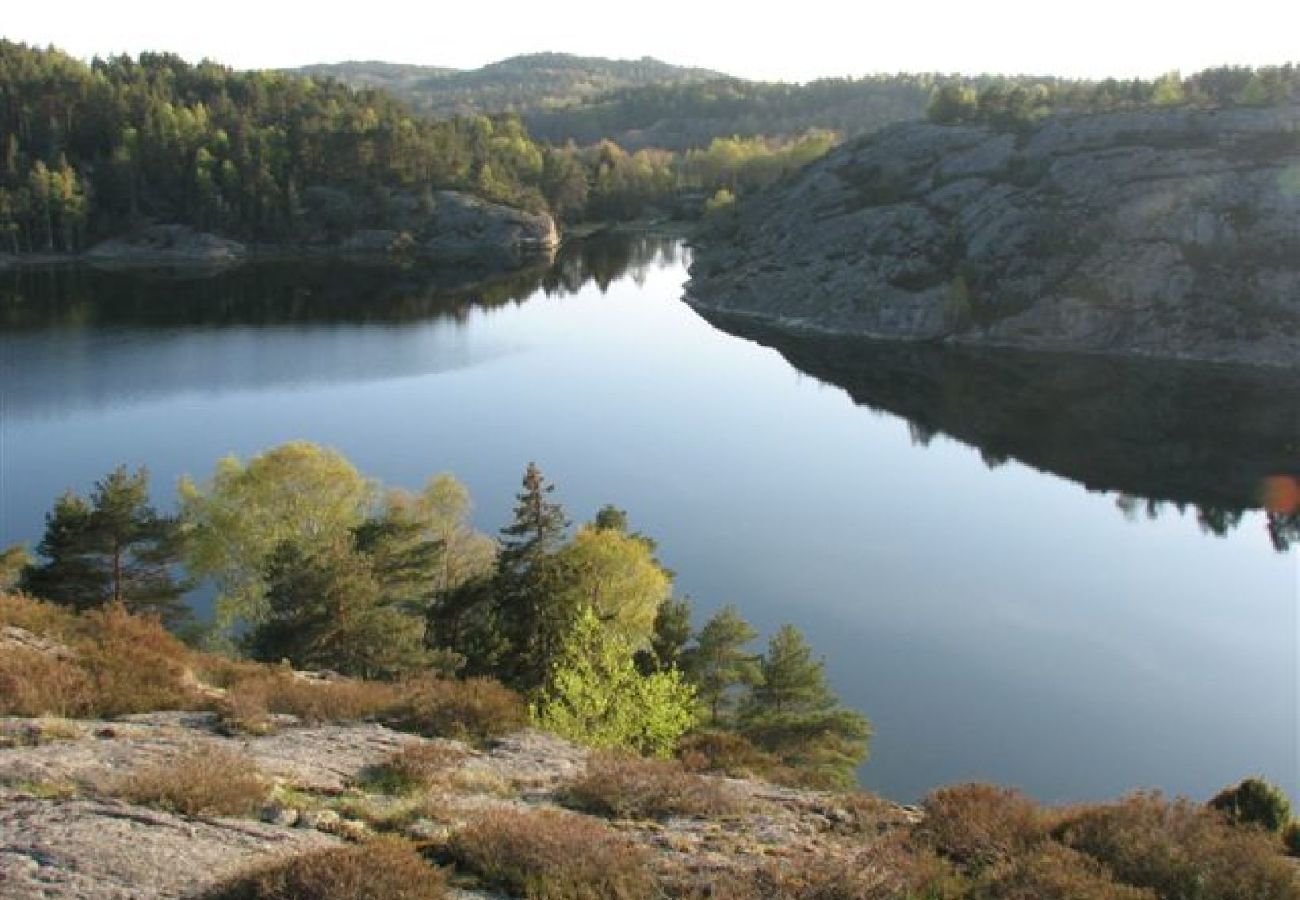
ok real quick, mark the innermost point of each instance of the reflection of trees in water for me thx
(1162, 437)
(320, 292)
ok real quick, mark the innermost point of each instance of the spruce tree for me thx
(719, 664)
(526, 591)
(114, 548)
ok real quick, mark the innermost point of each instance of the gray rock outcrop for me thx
(465, 227)
(167, 245)
(1164, 233)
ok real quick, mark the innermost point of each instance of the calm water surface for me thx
(988, 549)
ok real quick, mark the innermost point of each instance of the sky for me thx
(790, 41)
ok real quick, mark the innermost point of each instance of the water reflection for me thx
(1159, 435)
(75, 338)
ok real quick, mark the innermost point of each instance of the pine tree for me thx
(719, 664)
(114, 548)
(327, 610)
(794, 714)
(672, 632)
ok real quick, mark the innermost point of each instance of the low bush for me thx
(1053, 872)
(631, 787)
(37, 684)
(552, 855)
(725, 752)
(976, 825)
(414, 768)
(1179, 849)
(473, 710)
(210, 780)
(136, 664)
(40, 618)
(382, 869)
(890, 870)
(1254, 802)
(251, 698)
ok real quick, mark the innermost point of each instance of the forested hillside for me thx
(90, 150)
(520, 84)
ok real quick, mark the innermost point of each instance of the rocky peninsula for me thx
(1160, 233)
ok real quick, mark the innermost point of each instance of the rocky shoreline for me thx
(458, 229)
(1163, 233)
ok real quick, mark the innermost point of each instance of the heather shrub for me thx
(1181, 850)
(382, 869)
(725, 752)
(37, 684)
(551, 855)
(631, 787)
(136, 665)
(473, 710)
(1053, 872)
(889, 870)
(210, 780)
(414, 768)
(312, 700)
(44, 619)
(1254, 802)
(976, 825)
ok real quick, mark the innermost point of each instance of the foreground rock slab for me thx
(106, 850)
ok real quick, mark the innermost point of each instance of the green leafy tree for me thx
(617, 577)
(114, 548)
(297, 493)
(326, 610)
(596, 696)
(720, 665)
(794, 714)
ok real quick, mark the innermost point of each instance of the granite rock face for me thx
(462, 226)
(1164, 233)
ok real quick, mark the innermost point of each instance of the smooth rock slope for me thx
(1165, 233)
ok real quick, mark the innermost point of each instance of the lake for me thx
(1046, 572)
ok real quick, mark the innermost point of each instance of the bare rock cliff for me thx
(1166, 233)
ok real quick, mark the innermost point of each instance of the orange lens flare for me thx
(1281, 494)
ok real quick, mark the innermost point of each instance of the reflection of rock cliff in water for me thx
(1202, 435)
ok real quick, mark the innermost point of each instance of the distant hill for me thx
(520, 84)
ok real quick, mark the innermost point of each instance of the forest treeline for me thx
(94, 150)
(1011, 102)
(319, 566)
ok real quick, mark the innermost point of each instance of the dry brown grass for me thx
(415, 767)
(473, 710)
(382, 869)
(210, 780)
(631, 787)
(552, 855)
(977, 825)
(1179, 849)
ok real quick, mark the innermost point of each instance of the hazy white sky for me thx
(794, 40)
